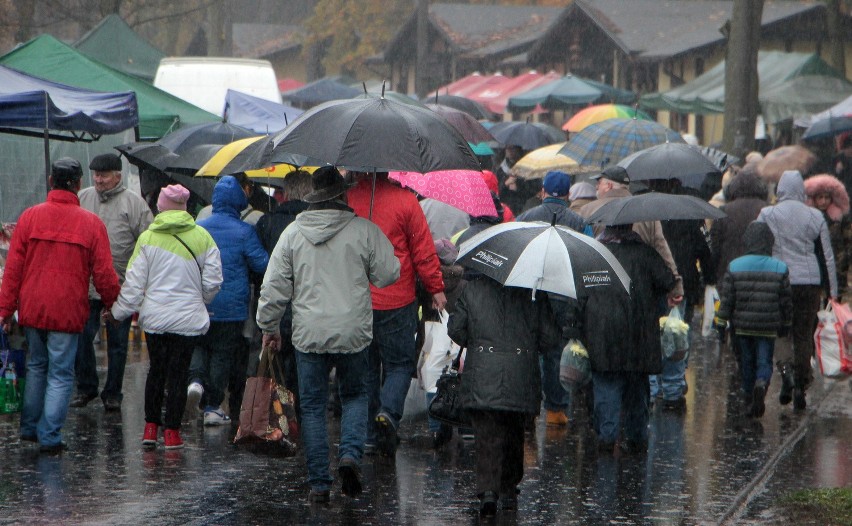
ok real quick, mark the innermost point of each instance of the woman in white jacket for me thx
(174, 271)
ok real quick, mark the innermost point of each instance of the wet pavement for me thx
(706, 466)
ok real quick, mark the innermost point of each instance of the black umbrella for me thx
(471, 107)
(471, 129)
(671, 160)
(526, 135)
(372, 134)
(828, 127)
(722, 160)
(653, 206)
(544, 257)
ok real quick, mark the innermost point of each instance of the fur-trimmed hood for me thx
(825, 183)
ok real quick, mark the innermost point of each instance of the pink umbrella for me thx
(463, 189)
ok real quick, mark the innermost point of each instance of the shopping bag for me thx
(438, 352)
(711, 302)
(268, 415)
(575, 369)
(831, 352)
(675, 336)
(11, 387)
(447, 404)
(844, 317)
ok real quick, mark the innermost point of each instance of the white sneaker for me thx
(216, 418)
(193, 397)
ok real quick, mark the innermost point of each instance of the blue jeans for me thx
(313, 370)
(621, 399)
(214, 359)
(50, 382)
(86, 368)
(392, 359)
(755, 360)
(556, 398)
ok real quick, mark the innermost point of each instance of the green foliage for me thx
(830, 506)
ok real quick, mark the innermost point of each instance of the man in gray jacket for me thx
(126, 216)
(323, 264)
(801, 234)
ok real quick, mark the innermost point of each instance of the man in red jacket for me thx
(56, 249)
(392, 354)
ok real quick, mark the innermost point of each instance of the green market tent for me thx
(117, 45)
(159, 112)
(791, 85)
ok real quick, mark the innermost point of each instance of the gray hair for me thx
(297, 185)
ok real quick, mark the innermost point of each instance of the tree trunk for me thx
(834, 28)
(741, 81)
(420, 79)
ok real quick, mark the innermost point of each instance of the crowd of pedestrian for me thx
(345, 270)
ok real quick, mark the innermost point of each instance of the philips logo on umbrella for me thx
(490, 258)
(597, 279)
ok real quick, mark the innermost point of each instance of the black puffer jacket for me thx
(622, 333)
(270, 226)
(503, 331)
(755, 294)
(746, 196)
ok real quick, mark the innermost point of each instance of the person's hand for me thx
(439, 301)
(109, 318)
(6, 324)
(674, 300)
(511, 183)
(272, 342)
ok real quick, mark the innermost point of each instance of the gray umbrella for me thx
(670, 160)
(653, 206)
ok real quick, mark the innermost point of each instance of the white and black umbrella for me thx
(540, 256)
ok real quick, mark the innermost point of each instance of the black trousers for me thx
(499, 450)
(169, 355)
(806, 301)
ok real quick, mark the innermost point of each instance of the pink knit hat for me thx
(172, 197)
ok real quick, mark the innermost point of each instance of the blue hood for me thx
(228, 197)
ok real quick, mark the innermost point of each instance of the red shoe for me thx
(149, 437)
(171, 437)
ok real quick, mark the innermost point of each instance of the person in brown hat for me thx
(126, 216)
(324, 264)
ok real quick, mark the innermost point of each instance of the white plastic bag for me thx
(829, 345)
(675, 336)
(438, 352)
(711, 296)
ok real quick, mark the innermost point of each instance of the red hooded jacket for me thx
(56, 248)
(397, 213)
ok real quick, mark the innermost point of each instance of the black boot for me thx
(488, 504)
(757, 405)
(787, 384)
(799, 402)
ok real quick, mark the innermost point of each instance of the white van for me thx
(203, 81)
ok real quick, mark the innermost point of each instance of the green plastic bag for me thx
(11, 395)
(575, 368)
(675, 336)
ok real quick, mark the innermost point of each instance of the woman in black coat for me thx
(504, 331)
(622, 335)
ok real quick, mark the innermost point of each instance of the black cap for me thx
(106, 162)
(614, 173)
(66, 169)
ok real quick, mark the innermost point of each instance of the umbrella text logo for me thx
(489, 258)
(600, 278)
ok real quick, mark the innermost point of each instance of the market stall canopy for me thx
(569, 91)
(791, 85)
(31, 102)
(159, 112)
(117, 45)
(256, 114)
(496, 97)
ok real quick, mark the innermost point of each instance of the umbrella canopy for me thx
(607, 142)
(654, 206)
(537, 163)
(256, 114)
(544, 257)
(526, 135)
(779, 160)
(217, 164)
(601, 112)
(471, 129)
(828, 127)
(670, 160)
(568, 91)
(722, 160)
(393, 95)
(471, 107)
(372, 134)
(462, 189)
(495, 97)
(319, 91)
(193, 146)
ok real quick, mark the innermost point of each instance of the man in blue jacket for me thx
(223, 349)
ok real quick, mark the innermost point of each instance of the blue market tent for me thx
(32, 102)
(256, 114)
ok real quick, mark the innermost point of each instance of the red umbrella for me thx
(463, 189)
